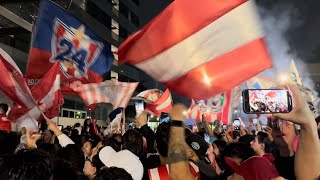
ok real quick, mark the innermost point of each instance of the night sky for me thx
(303, 34)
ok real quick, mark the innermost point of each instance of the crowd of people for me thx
(173, 151)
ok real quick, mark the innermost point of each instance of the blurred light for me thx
(185, 113)
(207, 80)
(283, 78)
(235, 111)
(151, 116)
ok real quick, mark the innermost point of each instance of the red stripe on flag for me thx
(225, 114)
(188, 15)
(237, 66)
(163, 173)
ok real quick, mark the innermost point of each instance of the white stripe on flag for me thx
(10, 60)
(97, 91)
(87, 89)
(231, 31)
(165, 104)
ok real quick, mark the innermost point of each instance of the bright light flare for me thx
(283, 78)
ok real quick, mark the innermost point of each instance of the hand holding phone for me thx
(139, 105)
(236, 124)
(266, 101)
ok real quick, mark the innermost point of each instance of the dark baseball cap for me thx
(198, 145)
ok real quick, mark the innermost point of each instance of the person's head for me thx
(162, 138)
(77, 125)
(113, 143)
(218, 147)
(132, 141)
(261, 144)
(238, 152)
(26, 164)
(196, 147)
(246, 139)
(113, 173)
(73, 155)
(122, 159)
(92, 166)
(217, 127)
(3, 108)
(87, 122)
(89, 144)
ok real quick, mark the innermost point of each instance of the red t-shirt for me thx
(162, 172)
(5, 123)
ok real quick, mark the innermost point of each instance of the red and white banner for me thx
(12, 82)
(157, 101)
(210, 45)
(114, 92)
(48, 96)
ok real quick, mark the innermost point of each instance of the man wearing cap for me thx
(186, 148)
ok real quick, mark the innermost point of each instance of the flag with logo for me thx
(218, 107)
(156, 100)
(110, 91)
(259, 82)
(202, 44)
(46, 94)
(60, 37)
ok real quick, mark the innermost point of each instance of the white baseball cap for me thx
(123, 159)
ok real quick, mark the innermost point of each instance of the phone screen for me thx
(266, 101)
(164, 117)
(236, 123)
(207, 137)
(59, 127)
(224, 127)
(139, 107)
(255, 121)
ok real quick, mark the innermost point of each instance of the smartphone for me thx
(60, 127)
(164, 117)
(207, 137)
(255, 122)
(139, 107)
(236, 124)
(224, 127)
(266, 101)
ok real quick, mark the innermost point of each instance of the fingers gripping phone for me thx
(236, 124)
(164, 117)
(266, 101)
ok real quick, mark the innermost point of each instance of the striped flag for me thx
(12, 82)
(203, 44)
(157, 102)
(110, 91)
(48, 96)
(162, 172)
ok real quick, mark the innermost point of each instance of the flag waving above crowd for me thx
(207, 50)
(61, 37)
(156, 101)
(114, 92)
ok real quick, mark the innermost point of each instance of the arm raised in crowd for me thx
(179, 163)
(142, 121)
(64, 140)
(307, 158)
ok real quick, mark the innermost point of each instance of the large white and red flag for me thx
(210, 45)
(46, 94)
(156, 101)
(12, 82)
(110, 91)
